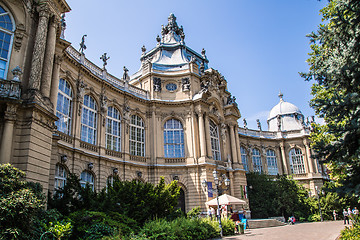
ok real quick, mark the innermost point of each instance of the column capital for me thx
(10, 113)
(43, 10)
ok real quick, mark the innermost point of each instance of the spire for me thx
(281, 96)
(172, 33)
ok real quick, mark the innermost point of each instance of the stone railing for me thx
(174, 160)
(300, 175)
(10, 89)
(88, 146)
(113, 153)
(256, 133)
(137, 158)
(65, 137)
(99, 72)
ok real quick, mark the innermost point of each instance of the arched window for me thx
(244, 159)
(64, 107)
(6, 34)
(137, 136)
(89, 120)
(271, 162)
(113, 130)
(256, 159)
(60, 176)
(214, 139)
(296, 161)
(173, 139)
(87, 178)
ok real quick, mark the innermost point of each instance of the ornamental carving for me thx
(185, 84)
(157, 84)
(103, 104)
(18, 36)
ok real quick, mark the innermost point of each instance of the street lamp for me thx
(318, 197)
(218, 182)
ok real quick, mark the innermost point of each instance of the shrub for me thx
(95, 225)
(195, 212)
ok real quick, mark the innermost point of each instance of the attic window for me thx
(171, 87)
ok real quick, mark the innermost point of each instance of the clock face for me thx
(171, 87)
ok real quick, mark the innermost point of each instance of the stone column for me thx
(208, 138)
(7, 137)
(49, 59)
(55, 81)
(39, 49)
(308, 157)
(201, 134)
(285, 165)
(237, 141)
(233, 145)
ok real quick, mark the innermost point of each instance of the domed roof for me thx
(283, 108)
(285, 116)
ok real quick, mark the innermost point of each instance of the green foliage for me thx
(228, 226)
(334, 65)
(183, 228)
(194, 212)
(284, 197)
(60, 230)
(353, 232)
(19, 203)
(94, 225)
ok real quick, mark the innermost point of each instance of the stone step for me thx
(264, 223)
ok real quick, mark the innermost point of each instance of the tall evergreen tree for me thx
(335, 67)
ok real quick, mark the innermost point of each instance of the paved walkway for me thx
(301, 231)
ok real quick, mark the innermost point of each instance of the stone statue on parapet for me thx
(82, 44)
(259, 124)
(63, 26)
(104, 58)
(245, 123)
(125, 75)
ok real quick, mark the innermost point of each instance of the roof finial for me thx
(281, 96)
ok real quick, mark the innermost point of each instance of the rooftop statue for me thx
(82, 44)
(172, 33)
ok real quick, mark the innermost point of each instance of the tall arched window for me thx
(6, 34)
(296, 161)
(271, 162)
(256, 159)
(173, 139)
(89, 120)
(60, 177)
(87, 178)
(244, 159)
(137, 136)
(214, 139)
(64, 107)
(113, 130)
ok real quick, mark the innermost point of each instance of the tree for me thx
(335, 67)
(19, 203)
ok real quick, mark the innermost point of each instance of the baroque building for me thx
(174, 117)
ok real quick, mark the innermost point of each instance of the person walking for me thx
(346, 216)
(334, 214)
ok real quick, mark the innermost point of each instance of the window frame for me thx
(299, 166)
(137, 139)
(11, 33)
(244, 158)
(170, 133)
(271, 158)
(70, 107)
(214, 140)
(87, 127)
(84, 182)
(110, 137)
(256, 158)
(58, 178)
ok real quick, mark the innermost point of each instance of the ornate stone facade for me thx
(175, 117)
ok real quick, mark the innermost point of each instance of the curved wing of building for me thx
(174, 117)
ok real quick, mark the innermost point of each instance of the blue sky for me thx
(258, 45)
